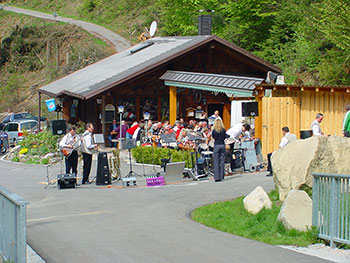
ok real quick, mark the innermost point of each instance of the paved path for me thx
(116, 40)
(94, 224)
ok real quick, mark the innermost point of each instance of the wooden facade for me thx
(296, 107)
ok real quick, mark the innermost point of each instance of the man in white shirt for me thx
(315, 125)
(216, 115)
(239, 129)
(88, 147)
(69, 143)
(287, 138)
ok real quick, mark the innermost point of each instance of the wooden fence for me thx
(297, 110)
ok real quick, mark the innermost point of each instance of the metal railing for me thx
(331, 207)
(12, 227)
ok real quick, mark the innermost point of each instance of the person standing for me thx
(219, 135)
(113, 133)
(287, 138)
(69, 144)
(239, 130)
(88, 147)
(346, 122)
(315, 125)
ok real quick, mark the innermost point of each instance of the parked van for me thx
(15, 129)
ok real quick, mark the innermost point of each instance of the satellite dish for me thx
(153, 28)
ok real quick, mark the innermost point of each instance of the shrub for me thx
(148, 155)
(44, 161)
(15, 159)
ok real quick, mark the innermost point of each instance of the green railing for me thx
(331, 207)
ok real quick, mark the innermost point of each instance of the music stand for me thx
(167, 139)
(129, 144)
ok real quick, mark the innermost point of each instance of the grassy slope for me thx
(126, 17)
(66, 36)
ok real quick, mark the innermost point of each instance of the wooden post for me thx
(226, 115)
(103, 121)
(138, 102)
(57, 57)
(48, 51)
(39, 109)
(258, 120)
(159, 108)
(172, 105)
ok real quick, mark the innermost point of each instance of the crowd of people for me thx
(211, 133)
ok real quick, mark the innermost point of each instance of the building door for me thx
(213, 107)
(278, 112)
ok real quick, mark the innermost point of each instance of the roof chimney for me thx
(204, 23)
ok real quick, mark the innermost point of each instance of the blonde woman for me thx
(219, 135)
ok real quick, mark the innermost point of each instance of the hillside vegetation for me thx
(308, 39)
(34, 52)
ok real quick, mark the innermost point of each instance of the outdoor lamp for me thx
(120, 108)
(146, 115)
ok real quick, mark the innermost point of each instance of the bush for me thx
(40, 143)
(148, 155)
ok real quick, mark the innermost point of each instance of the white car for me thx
(15, 129)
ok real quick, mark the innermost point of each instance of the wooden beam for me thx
(39, 110)
(159, 108)
(138, 100)
(103, 121)
(258, 119)
(172, 105)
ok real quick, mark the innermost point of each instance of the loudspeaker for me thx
(58, 127)
(66, 181)
(103, 176)
(250, 109)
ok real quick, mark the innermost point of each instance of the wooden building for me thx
(296, 107)
(170, 77)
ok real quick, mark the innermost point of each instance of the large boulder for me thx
(256, 201)
(296, 211)
(294, 164)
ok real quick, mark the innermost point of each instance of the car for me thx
(19, 116)
(15, 129)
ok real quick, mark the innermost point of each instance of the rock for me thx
(256, 201)
(294, 164)
(296, 211)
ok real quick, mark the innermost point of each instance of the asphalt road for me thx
(116, 40)
(98, 224)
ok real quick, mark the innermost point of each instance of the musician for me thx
(315, 125)
(71, 141)
(216, 115)
(239, 130)
(219, 135)
(87, 149)
(287, 138)
(113, 133)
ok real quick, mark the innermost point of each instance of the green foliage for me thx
(231, 217)
(308, 39)
(148, 154)
(40, 143)
(15, 159)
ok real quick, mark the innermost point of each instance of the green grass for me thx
(231, 217)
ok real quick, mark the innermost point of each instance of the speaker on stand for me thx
(103, 177)
(250, 109)
(58, 127)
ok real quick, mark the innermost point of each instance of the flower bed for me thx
(40, 148)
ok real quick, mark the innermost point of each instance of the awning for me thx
(228, 92)
(232, 86)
